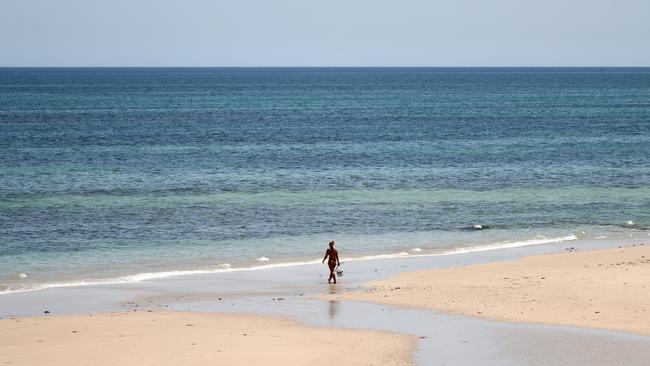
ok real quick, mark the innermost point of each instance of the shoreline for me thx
(306, 277)
(226, 268)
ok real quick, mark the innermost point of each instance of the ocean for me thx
(125, 174)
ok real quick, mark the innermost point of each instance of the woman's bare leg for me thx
(332, 275)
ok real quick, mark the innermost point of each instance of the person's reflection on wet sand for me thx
(333, 309)
(333, 304)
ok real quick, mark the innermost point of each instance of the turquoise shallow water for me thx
(112, 172)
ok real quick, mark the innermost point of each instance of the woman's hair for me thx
(331, 242)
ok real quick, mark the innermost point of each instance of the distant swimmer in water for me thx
(332, 262)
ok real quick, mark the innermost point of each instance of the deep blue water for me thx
(107, 172)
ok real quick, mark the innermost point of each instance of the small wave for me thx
(581, 234)
(506, 245)
(416, 249)
(262, 259)
(477, 227)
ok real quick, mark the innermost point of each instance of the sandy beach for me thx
(177, 338)
(605, 289)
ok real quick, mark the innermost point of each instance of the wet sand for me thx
(178, 338)
(606, 289)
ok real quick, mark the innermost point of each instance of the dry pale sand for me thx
(186, 338)
(607, 289)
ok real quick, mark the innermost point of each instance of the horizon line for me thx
(326, 67)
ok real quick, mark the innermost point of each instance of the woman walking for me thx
(332, 262)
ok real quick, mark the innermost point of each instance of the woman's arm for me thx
(327, 252)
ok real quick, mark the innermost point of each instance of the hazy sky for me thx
(325, 32)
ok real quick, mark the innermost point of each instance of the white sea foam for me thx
(143, 277)
(262, 259)
(506, 245)
(23, 275)
(147, 276)
(416, 249)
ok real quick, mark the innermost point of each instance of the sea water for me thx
(128, 174)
